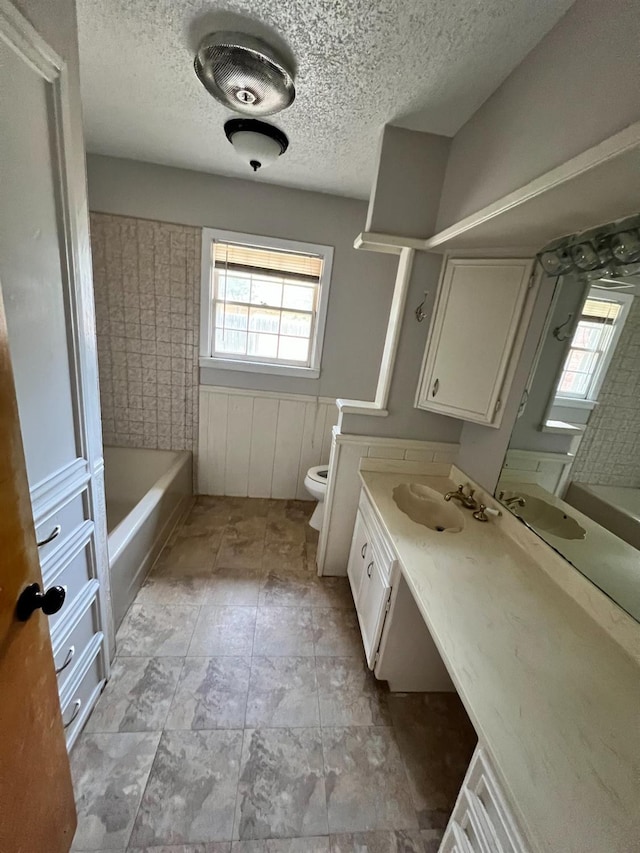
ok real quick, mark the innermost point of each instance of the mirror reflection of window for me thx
(594, 341)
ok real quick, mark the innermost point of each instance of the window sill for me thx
(573, 403)
(259, 367)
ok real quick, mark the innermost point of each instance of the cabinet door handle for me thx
(364, 550)
(434, 390)
(369, 568)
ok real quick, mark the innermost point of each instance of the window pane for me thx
(296, 296)
(266, 292)
(264, 346)
(264, 320)
(589, 335)
(238, 288)
(298, 325)
(574, 384)
(232, 316)
(293, 349)
(229, 341)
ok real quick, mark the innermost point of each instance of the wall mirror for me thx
(572, 468)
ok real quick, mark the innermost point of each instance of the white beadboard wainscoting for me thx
(261, 444)
(343, 490)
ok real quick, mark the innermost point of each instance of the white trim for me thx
(388, 244)
(392, 339)
(572, 402)
(58, 489)
(312, 371)
(361, 407)
(274, 395)
(259, 367)
(609, 149)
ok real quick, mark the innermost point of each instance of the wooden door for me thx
(37, 812)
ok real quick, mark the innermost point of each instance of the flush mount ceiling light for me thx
(258, 143)
(244, 73)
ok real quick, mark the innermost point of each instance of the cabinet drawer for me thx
(372, 607)
(82, 689)
(73, 571)
(68, 517)
(72, 636)
(486, 796)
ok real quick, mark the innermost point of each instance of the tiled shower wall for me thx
(147, 281)
(609, 453)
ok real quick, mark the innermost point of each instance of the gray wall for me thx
(406, 191)
(404, 420)
(362, 282)
(576, 88)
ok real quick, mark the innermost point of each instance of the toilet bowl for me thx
(316, 484)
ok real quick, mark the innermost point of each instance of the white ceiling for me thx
(423, 64)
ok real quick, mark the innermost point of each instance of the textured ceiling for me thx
(423, 64)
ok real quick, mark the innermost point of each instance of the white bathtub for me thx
(147, 491)
(615, 507)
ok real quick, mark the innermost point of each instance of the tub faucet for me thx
(467, 501)
(514, 499)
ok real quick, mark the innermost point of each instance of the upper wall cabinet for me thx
(475, 338)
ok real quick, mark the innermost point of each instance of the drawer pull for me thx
(364, 550)
(434, 390)
(67, 660)
(369, 568)
(76, 710)
(53, 535)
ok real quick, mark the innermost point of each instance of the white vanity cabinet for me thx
(482, 820)
(397, 643)
(474, 337)
(369, 571)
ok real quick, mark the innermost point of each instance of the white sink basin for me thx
(540, 514)
(427, 507)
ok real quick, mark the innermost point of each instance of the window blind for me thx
(601, 311)
(255, 259)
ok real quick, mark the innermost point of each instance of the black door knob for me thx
(31, 599)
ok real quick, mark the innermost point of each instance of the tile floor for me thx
(241, 717)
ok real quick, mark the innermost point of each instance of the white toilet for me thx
(316, 484)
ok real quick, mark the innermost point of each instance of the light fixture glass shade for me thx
(258, 143)
(255, 148)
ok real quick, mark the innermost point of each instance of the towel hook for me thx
(420, 314)
(558, 330)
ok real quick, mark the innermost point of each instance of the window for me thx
(264, 303)
(593, 344)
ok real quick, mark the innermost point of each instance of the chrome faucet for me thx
(514, 499)
(467, 501)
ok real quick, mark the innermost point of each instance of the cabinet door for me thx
(371, 607)
(359, 555)
(472, 343)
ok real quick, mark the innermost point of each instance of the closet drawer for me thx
(68, 517)
(72, 636)
(82, 689)
(73, 571)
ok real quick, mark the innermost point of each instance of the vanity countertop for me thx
(552, 695)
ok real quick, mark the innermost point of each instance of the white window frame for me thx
(625, 300)
(207, 359)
